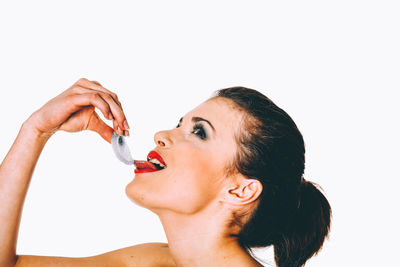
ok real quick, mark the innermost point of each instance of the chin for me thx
(139, 194)
(135, 194)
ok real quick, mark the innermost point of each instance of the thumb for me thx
(98, 125)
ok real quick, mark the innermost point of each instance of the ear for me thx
(243, 191)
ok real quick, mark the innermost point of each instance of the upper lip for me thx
(154, 155)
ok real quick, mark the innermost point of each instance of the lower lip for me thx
(145, 170)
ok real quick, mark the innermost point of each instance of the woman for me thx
(232, 180)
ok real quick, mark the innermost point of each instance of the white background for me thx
(332, 65)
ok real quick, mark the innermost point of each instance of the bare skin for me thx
(193, 197)
(146, 255)
(73, 111)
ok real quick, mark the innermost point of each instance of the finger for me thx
(96, 82)
(116, 110)
(101, 88)
(97, 125)
(114, 96)
(117, 128)
(86, 99)
(97, 86)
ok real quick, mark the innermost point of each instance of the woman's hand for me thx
(74, 110)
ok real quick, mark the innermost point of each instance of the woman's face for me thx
(196, 153)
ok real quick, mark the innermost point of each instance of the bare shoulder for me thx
(146, 255)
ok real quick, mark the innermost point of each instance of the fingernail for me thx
(110, 116)
(120, 132)
(126, 133)
(126, 125)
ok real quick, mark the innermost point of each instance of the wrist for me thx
(29, 128)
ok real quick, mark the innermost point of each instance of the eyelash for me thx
(201, 133)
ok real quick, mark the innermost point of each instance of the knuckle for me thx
(82, 80)
(115, 97)
(117, 101)
(106, 96)
(111, 94)
(96, 82)
(94, 96)
(74, 89)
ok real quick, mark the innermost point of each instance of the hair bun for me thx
(305, 237)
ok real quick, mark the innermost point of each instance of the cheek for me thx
(195, 147)
(196, 185)
(187, 187)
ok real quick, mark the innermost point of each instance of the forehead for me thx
(222, 113)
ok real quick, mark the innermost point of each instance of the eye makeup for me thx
(198, 129)
(198, 119)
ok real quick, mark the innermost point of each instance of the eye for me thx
(199, 131)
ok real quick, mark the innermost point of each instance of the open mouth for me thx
(158, 164)
(154, 163)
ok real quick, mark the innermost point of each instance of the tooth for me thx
(157, 162)
(154, 161)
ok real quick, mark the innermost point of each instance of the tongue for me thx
(142, 164)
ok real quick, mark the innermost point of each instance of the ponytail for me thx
(306, 232)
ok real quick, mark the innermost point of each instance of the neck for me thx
(202, 239)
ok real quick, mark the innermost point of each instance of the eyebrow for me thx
(197, 119)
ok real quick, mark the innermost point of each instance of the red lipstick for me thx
(154, 163)
(154, 155)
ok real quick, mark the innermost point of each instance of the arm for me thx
(15, 174)
(72, 110)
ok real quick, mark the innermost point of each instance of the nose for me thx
(163, 139)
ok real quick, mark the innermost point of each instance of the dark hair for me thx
(291, 213)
